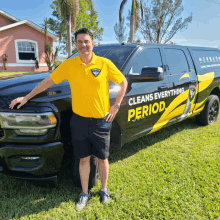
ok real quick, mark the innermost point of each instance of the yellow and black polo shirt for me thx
(89, 84)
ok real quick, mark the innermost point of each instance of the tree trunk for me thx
(69, 36)
(132, 20)
(131, 28)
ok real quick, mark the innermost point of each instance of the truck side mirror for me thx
(148, 74)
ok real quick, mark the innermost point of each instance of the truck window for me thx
(176, 61)
(207, 58)
(118, 55)
(148, 57)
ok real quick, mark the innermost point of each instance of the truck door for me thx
(181, 75)
(143, 107)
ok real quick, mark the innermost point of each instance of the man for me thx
(36, 64)
(5, 61)
(91, 122)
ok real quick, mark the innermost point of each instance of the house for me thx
(22, 42)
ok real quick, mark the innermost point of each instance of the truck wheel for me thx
(210, 112)
(93, 176)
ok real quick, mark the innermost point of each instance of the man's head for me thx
(84, 41)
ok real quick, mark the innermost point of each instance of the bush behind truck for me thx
(166, 84)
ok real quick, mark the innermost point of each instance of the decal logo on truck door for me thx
(146, 110)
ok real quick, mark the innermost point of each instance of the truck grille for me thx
(1, 133)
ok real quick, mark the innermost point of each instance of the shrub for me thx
(57, 63)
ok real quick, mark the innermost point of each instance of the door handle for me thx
(162, 87)
(166, 67)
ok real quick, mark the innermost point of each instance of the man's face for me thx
(84, 44)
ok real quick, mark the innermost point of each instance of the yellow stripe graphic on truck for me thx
(198, 107)
(173, 111)
(184, 76)
(165, 117)
(205, 80)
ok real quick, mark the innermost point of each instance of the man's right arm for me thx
(43, 85)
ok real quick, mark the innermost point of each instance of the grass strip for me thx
(170, 174)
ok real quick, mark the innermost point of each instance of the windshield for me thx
(117, 55)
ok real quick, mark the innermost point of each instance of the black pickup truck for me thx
(166, 84)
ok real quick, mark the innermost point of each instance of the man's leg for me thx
(100, 148)
(84, 170)
(103, 170)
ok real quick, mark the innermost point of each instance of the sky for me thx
(204, 29)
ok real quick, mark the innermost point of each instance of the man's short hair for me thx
(83, 31)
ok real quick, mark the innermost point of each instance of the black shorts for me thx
(90, 136)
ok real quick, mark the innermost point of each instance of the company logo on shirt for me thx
(95, 72)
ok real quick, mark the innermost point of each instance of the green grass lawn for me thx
(10, 73)
(170, 174)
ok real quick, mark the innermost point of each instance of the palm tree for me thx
(134, 16)
(58, 27)
(45, 26)
(47, 47)
(68, 10)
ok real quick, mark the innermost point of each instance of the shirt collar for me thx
(93, 61)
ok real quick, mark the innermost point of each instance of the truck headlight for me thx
(28, 123)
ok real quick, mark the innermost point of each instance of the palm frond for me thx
(121, 9)
(142, 10)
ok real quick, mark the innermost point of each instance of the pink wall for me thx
(22, 69)
(7, 45)
(4, 21)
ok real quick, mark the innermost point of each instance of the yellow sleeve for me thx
(60, 73)
(114, 74)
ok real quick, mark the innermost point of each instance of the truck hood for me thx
(15, 86)
(20, 83)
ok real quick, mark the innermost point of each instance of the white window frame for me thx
(16, 50)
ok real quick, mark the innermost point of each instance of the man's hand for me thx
(113, 109)
(111, 113)
(21, 100)
(43, 85)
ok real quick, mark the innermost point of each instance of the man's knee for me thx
(85, 160)
(103, 161)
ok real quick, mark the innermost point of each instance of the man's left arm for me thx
(113, 109)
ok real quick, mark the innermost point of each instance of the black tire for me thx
(93, 176)
(209, 114)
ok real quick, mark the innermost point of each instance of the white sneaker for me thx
(83, 200)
